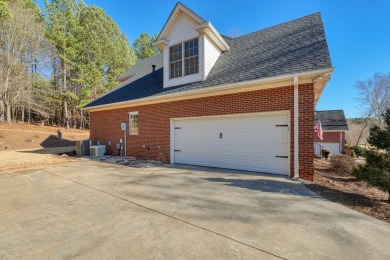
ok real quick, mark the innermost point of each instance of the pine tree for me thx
(92, 52)
(144, 46)
(61, 17)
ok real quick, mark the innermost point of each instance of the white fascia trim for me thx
(208, 29)
(296, 127)
(179, 6)
(161, 44)
(184, 94)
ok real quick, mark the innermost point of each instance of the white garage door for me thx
(253, 143)
(333, 147)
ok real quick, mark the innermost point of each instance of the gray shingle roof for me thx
(332, 119)
(291, 47)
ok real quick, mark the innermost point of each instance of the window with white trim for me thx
(189, 62)
(133, 123)
(191, 56)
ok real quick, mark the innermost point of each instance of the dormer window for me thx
(191, 56)
(189, 63)
(175, 61)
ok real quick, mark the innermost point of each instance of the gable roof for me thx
(332, 120)
(203, 27)
(293, 47)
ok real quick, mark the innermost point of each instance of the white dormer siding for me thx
(184, 25)
(212, 53)
(184, 30)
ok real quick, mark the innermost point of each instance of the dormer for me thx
(190, 47)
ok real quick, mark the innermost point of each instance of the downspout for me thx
(296, 129)
(341, 142)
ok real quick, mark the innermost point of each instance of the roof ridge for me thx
(330, 110)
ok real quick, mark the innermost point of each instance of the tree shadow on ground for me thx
(266, 185)
(52, 141)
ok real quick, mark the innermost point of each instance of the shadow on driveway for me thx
(274, 186)
(256, 181)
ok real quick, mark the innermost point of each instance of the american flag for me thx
(318, 129)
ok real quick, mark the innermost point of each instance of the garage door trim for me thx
(281, 112)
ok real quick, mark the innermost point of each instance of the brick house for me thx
(334, 126)
(242, 103)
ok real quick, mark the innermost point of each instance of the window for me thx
(190, 59)
(133, 123)
(175, 61)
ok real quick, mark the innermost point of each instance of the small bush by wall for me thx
(342, 164)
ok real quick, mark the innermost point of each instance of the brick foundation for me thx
(154, 121)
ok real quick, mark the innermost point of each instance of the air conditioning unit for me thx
(98, 150)
(82, 147)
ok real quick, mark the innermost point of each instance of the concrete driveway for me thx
(89, 209)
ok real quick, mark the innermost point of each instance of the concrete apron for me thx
(89, 209)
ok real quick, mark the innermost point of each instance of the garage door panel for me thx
(254, 150)
(269, 166)
(248, 142)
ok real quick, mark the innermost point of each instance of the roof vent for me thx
(154, 68)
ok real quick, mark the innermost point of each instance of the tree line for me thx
(55, 60)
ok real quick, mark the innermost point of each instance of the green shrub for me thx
(342, 164)
(377, 168)
(374, 176)
(360, 151)
(378, 159)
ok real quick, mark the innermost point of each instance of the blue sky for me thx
(358, 32)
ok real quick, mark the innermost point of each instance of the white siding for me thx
(211, 55)
(184, 30)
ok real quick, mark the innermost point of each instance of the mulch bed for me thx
(349, 191)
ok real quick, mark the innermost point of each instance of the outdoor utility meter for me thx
(123, 126)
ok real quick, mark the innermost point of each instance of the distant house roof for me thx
(292, 47)
(332, 120)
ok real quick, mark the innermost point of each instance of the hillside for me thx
(355, 128)
(24, 136)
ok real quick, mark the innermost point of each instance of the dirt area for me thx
(349, 191)
(18, 159)
(25, 136)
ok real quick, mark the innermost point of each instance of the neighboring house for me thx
(242, 103)
(334, 126)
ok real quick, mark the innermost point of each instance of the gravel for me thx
(126, 161)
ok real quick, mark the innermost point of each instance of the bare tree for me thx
(22, 43)
(234, 32)
(373, 100)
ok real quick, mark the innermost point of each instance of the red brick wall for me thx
(154, 121)
(306, 131)
(331, 137)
